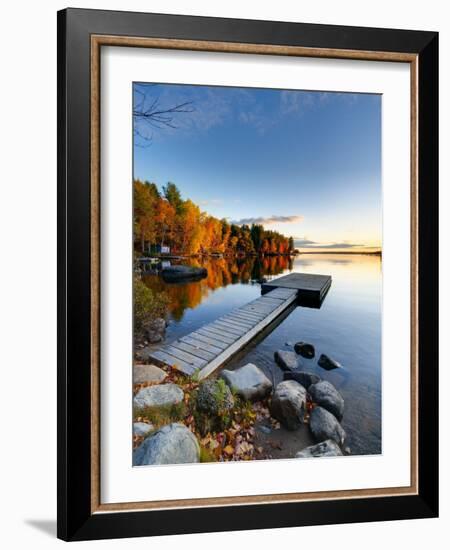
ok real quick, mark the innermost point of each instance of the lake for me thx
(347, 327)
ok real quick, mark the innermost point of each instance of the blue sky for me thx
(307, 164)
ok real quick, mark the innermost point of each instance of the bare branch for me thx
(148, 113)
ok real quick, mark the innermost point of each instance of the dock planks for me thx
(210, 346)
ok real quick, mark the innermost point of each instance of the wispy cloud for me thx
(307, 243)
(209, 202)
(269, 220)
(292, 101)
(217, 106)
(304, 242)
(256, 118)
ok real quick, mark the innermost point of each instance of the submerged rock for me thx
(142, 428)
(158, 396)
(287, 360)
(324, 426)
(176, 273)
(326, 395)
(325, 448)
(143, 374)
(249, 382)
(305, 350)
(303, 378)
(172, 444)
(288, 404)
(327, 363)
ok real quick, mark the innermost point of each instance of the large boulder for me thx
(305, 350)
(287, 360)
(214, 397)
(249, 382)
(289, 404)
(213, 406)
(325, 448)
(148, 374)
(324, 426)
(327, 363)
(141, 429)
(303, 378)
(326, 395)
(172, 444)
(177, 273)
(158, 396)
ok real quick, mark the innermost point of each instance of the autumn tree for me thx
(168, 219)
(145, 195)
(291, 245)
(173, 195)
(257, 234)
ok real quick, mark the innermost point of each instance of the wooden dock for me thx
(209, 347)
(308, 285)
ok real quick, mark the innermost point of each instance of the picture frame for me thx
(81, 35)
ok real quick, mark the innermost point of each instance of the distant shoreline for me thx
(376, 253)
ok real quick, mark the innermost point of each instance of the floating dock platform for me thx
(309, 286)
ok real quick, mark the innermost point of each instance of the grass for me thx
(206, 455)
(162, 415)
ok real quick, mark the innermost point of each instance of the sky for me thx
(306, 164)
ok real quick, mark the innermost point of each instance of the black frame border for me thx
(75, 521)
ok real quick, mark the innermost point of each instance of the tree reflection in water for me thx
(221, 273)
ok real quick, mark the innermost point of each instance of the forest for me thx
(163, 218)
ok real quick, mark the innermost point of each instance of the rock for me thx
(326, 448)
(213, 404)
(177, 273)
(305, 350)
(172, 444)
(143, 374)
(327, 363)
(325, 426)
(158, 396)
(155, 330)
(326, 395)
(142, 354)
(303, 378)
(249, 382)
(264, 429)
(287, 360)
(214, 397)
(288, 404)
(141, 428)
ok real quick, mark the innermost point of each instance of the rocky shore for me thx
(178, 419)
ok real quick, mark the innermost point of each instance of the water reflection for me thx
(221, 273)
(347, 326)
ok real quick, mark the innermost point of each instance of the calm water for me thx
(347, 327)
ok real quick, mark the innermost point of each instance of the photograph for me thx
(257, 274)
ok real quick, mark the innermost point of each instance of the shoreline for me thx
(245, 256)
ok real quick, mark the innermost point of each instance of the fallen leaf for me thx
(228, 450)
